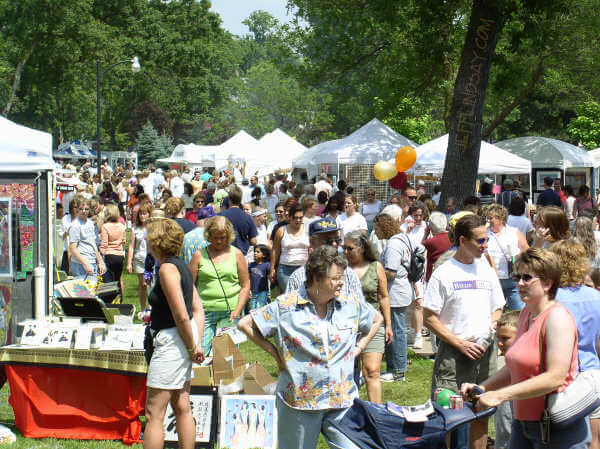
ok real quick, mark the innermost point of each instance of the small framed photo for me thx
(248, 421)
(6, 238)
(541, 174)
(204, 408)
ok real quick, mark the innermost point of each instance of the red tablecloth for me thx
(76, 403)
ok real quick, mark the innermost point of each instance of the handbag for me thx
(148, 343)
(575, 402)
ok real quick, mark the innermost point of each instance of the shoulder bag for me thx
(575, 402)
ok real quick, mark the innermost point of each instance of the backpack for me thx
(417, 264)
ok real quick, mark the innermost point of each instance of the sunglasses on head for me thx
(526, 277)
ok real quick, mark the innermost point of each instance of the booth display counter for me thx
(76, 394)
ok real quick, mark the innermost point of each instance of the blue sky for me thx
(232, 12)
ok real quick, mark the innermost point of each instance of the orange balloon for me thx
(384, 170)
(405, 158)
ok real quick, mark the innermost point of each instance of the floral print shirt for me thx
(317, 352)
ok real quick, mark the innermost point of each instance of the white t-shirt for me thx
(417, 233)
(370, 210)
(464, 296)
(569, 206)
(520, 222)
(323, 185)
(354, 223)
(503, 247)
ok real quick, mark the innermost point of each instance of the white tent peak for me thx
(377, 129)
(547, 152)
(239, 139)
(24, 149)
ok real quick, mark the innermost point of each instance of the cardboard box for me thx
(203, 376)
(228, 362)
(256, 378)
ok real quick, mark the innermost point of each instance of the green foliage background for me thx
(338, 64)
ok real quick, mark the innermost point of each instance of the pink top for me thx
(112, 239)
(523, 361)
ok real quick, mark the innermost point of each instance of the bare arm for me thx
(248, 326)
(244, 278)
(103, 240)
(130, 250)
(194, 264)
(198, 314)
(170, 281)
(468, 348)
(78, 257)
(384, 302)
(560, 341)
(522, 241)
(365, 339)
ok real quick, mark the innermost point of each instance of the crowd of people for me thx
(319, 279)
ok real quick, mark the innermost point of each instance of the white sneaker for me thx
(386, 377)
(418, 343)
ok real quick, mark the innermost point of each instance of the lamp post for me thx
(135, 67)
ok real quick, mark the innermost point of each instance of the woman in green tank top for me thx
(361, 258)
(221, 277)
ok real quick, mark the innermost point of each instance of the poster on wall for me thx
(203, 401)
(6, 238)
(248, 421)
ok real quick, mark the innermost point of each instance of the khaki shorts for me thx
(377, 343)
(596, 375)
(451, 368)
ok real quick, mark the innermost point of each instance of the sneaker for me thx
(399, 377)
(425, 332)
(386, 377)
(418, 343)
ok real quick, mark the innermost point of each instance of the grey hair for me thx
(320, 262)
(361, 240)
(438, 222)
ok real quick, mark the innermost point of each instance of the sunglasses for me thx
(412, 197)
(526, 277)
(482, 241)
(349, 248)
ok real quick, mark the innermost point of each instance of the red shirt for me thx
(435, 246)
(563, 198)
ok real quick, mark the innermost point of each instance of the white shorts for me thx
(171, 366)
(138, 266)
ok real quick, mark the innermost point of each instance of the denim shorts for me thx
(527, 435)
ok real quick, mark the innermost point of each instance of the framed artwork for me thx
(541, 174)
(248, 421)
(6, 237)
(204, 408)
(575, 180)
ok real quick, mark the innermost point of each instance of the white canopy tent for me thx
(24, 149)
(367, 145)
(547, 153)
(236, 149)
(431, 157)
(192, 154)
(595, 155)
(26, 156)
(276, 151)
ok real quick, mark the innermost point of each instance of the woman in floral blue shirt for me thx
(315, 332)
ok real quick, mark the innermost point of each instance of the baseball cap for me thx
(508, 182)
(322, 225)
(205, 212)
(259, 212)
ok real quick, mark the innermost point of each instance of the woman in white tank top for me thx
(290, 248)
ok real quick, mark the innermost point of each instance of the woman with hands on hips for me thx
(316, 339)
(221, 277)
(176, 320)
(526, 379)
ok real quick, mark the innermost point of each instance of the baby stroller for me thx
(372, 426)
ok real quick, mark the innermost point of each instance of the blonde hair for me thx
(111, 213)
(510, 319)
(219, 223)
(173, 206)
(496, 211)
(574, 261)
(164, 237)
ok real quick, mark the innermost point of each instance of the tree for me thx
(586, 127)
(151, 146)
(466, 116)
